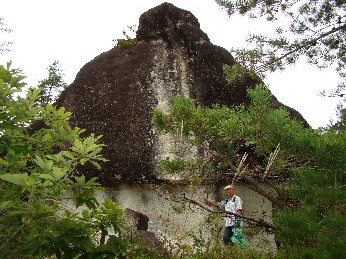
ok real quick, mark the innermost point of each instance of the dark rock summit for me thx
(114, 94)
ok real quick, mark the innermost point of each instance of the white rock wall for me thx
(169, 78)
(156, 202)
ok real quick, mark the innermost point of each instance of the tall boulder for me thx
(114, 94)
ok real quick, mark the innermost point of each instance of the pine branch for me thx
(303, 45)
(252, 183)
(259, 222)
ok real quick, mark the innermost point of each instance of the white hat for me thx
(231, 186)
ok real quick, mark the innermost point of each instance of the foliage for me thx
(257, 127)
(52, 86)
(229, 130)
(199, 248)
(129, 41)
(126, 44)
(340, 124)
(40, 189)
(4, 29)
(314, 29)
(159, 120)
(238, 74)
(307, 174)
(317, 227)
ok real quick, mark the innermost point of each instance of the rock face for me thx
(137, 230)
(114, 94)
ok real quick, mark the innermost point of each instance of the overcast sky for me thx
(76, 31)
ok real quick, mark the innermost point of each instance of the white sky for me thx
(76, 31)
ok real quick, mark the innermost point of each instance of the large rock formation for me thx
(114, 94)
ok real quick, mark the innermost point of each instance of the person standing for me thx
(233, 204)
